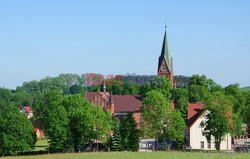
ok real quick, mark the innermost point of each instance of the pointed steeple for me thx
(165, 54)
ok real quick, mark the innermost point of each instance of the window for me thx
(202, 144)
(209, 145)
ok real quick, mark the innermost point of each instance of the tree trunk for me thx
(217, 144)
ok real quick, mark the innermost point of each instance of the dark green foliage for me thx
(76, 89)
(237, 97)
(239, 102)
(55, 121)
(16, 131)
(131, 88)
(180, 98)
(129, 133)
(5, 95)
(116, 137)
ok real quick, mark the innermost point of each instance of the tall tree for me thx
(180, 98)
(129, 133)
(198, 88)
(54, 120)
(81, 119)
(16, 131)
(219, 118)
(154, 111)
(102, 124)
(174, 127)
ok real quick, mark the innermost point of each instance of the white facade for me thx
(195, 139)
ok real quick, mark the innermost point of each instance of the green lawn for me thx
(41, 145)
(139, 155)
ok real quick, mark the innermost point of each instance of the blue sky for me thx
(47, 38)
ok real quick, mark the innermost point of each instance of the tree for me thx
(116, 137)
(236, 96)
(180, 98)
(16, 131)
(131, 88)
(102, 124)
(5, 95)
(154, 111)
(129, 133)
(54, 120)
(239, 102)
(199, 88)
(76, 89)
(163, 85)
(219, 116)
(81, 120)
(175, 127)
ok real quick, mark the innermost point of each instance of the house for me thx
(194, 137)
(119, 105)
(36, 124)
(28, 111)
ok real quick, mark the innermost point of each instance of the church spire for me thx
(165, 64)
(165, 54)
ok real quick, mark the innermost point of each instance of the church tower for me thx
(165, 63)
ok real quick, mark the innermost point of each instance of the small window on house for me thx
(209, 145)
(202, 144)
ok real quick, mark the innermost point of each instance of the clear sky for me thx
(40, 38)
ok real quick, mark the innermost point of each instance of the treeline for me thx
(71, 122)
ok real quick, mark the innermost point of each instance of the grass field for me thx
(139, 155)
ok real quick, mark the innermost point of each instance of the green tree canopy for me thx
(175, 127)
(154, 111)
(54, 120)
(16, 131)
(180, 98)
(219, 118)
(129, 133)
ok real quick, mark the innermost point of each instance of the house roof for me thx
(127, 103)
(195, 110)
(122, 103)
(27, 109)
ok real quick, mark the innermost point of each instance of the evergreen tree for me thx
(116, 137)
(129, 133)
(16, 131)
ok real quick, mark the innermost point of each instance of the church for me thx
(120, 105)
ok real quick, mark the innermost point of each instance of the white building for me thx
(194, 137)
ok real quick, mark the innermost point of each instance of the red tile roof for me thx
(122, 103)
(27, 109)
(194, 112)
(127, 103)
